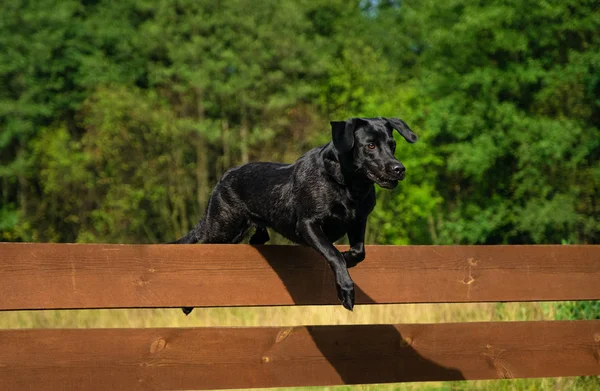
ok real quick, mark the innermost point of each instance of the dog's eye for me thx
(371, 146)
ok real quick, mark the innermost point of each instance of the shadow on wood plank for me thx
(367, 354)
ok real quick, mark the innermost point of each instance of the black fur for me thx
(327, 193)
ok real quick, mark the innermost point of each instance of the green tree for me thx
(509, 96)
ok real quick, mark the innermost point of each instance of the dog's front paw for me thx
(345, 293)
(353, 258)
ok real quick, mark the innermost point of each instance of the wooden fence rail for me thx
(51, 276)
(132, 276)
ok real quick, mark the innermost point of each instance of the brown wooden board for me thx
(213, 358)
(120, 276)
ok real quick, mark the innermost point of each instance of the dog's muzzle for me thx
(389, 178)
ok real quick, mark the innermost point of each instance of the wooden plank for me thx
(213, 358)
(121, 276)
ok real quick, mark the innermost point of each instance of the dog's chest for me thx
(338, 220)
(342, 212)
(346, 206)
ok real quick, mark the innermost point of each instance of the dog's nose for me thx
(399, 170)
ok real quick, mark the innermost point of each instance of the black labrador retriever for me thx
(327, 193)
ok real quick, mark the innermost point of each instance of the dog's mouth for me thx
(384, 181)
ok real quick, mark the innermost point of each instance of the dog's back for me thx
(256, 194)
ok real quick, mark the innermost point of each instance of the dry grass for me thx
(276, 316)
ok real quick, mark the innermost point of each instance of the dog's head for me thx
(368, 146)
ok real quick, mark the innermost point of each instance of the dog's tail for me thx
(194, 236)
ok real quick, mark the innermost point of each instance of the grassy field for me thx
(331, 315)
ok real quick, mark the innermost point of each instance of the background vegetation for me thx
(117, 118)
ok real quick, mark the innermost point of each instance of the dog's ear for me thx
(402, 128)
(342, 134)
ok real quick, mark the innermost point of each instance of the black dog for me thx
(327, 193)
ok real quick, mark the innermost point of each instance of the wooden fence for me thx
(65, 276)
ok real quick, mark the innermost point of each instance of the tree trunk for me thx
(244, 139)
(202, 190)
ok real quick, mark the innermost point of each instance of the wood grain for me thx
(64, 276)
(213, 358)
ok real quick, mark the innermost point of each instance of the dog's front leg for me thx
(313, 235)
(356, 237)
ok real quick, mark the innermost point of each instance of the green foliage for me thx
(116, 119)
(124, 180)
(573, 310)
(513, 111)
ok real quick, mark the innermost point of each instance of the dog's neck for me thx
(344, 174)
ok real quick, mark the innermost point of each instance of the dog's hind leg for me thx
(229, 230)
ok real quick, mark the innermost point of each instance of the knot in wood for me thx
(283, 334)
(158, 345)
(141, 282)
(406, 342)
